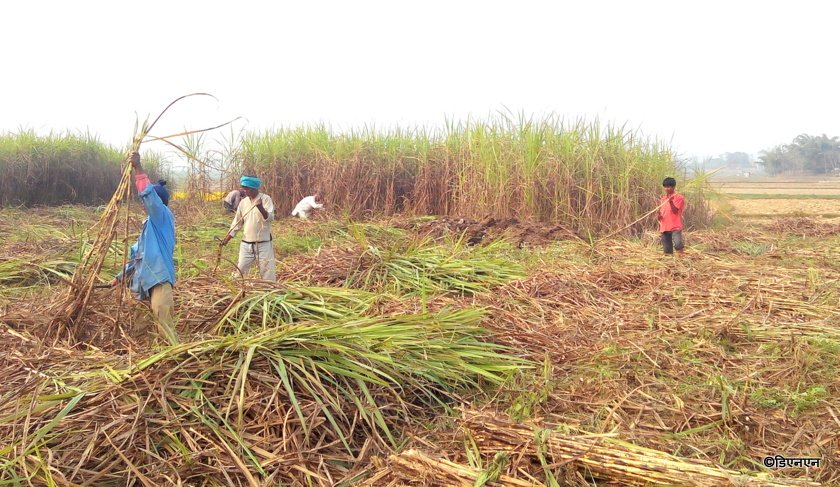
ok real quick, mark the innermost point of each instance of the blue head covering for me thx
(161, 191)
(250, 182)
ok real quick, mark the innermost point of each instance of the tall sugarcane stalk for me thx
(86, 274)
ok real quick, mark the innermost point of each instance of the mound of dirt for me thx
(521, 234)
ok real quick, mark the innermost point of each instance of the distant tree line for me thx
(807, 153)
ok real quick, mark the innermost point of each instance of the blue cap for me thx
(250, 182)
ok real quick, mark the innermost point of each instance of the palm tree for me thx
(775, 160)
(819, 154)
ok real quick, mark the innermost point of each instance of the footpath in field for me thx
(431, 352)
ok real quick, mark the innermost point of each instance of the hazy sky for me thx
(709, 76)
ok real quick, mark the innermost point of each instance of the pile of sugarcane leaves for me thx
(287, 383)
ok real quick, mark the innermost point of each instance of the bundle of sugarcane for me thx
(84, 278)
(604, 456)
(415, 466)
(86, 274)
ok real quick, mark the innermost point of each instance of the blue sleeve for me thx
(129, 266)
(154, 207)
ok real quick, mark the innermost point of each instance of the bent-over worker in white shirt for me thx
(253, 216)
(305, 206)
(232, 200)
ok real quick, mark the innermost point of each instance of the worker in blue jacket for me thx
(151, 267)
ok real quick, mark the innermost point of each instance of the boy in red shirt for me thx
(671, 207)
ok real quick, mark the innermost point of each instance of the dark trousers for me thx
(672, 240)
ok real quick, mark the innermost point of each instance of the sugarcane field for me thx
(401, 244)
(468, 320)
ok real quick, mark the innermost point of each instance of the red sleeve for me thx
(680, 202)
(141, 181)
